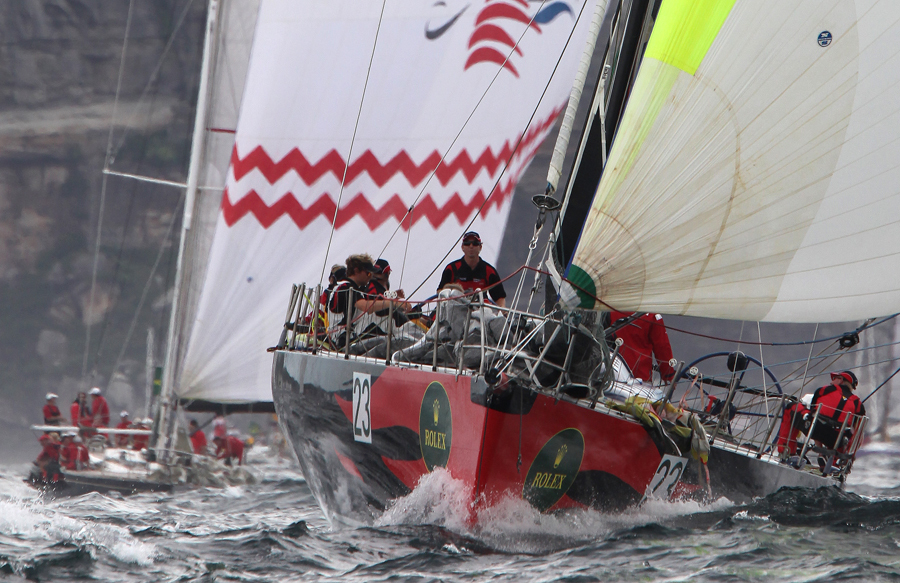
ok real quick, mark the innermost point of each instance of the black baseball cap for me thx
(382, 266)
(471, 236)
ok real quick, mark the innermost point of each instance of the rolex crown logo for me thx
(436, 407)
(560, 454)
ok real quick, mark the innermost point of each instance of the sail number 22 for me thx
(666, 477)
(362, 412)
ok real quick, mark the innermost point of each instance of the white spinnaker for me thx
(764, 185)
(236, 23)
(310, 65)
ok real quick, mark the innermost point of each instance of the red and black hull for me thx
(359, 456)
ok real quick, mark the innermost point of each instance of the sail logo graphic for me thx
(554, 469)
(499, 27)
(435, 426)
(824, 39)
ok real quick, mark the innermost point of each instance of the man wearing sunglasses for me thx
(836, 401)
(474, 273)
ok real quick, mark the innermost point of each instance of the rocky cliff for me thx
(60, 65)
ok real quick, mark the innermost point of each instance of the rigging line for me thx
(150, 82)
(109, 139)
(162, 248)
(472, 113)
(118, 266)
(881, 385)
(405, 253)
(865, 326)
(514, 151)
(465, 124)
(362, 100)
(798, 343)
(114, 278)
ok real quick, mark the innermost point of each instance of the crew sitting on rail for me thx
(341, 312)
(794, 422)
(52, 416)
(837, 400)
(379, 288)
(73, 455)
(337, 273)
(123, 439)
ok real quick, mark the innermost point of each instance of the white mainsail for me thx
(233, 23)
(755, 174)
(394, 88)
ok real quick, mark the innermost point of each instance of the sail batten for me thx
(756, 184)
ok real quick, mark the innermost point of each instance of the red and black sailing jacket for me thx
(481, 277)
(837, 403)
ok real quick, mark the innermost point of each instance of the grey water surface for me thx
(274, 531)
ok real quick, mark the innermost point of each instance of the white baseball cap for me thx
(123, 414)
(52, 396)
(95, 391)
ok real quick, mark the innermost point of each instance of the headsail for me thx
(392, 88)
(754, 175)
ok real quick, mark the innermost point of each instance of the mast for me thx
(163, 426)
(565, 130)
(602, 121)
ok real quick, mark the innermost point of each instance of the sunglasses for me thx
(471, 243)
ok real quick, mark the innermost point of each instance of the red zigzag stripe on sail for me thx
(259, 159)
(324, 207)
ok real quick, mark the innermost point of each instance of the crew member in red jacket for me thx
(140, 442)
(837, 400)
(100, 408)
(198, 438)
(52, 416)
(73, 455)
(645, 338)
(48, 459)
(123, 439)
(80, 412)
(792, 425)
(229, 448)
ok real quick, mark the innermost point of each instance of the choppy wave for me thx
(274, 531)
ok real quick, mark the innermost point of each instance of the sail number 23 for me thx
(362, 410)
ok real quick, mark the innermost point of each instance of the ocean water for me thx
(274, 531)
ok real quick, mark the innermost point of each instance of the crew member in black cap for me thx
(360, 269)
(380, 282)
(472, 272)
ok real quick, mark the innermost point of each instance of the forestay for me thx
(392, 92)
(755, 174)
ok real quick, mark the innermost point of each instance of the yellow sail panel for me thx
(684, 31)
(765, 186)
